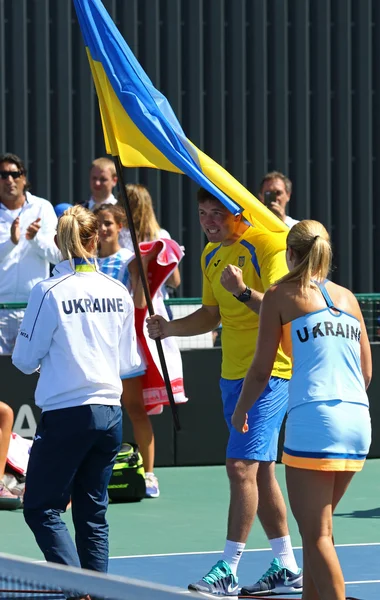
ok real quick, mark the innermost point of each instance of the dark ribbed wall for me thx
(292, 85)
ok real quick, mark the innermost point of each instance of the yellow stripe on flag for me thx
(121, 135)
(254, 211)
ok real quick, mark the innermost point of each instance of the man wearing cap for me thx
(59, 209)
(27, 229)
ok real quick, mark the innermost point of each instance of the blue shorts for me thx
(264, 419)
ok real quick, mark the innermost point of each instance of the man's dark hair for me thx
(14, 159)
(203, 195)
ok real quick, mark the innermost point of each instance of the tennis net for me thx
(24, 579)
(181, 307)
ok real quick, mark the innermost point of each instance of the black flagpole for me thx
(119, 171)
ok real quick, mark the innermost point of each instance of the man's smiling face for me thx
(218, 223)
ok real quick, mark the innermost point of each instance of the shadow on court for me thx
(370, 513)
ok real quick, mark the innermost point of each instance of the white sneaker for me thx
(151, 484)
(8, 501)
(277, 580)
(219, 581)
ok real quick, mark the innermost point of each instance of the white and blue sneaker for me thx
(151, 486)
(219, 581)
(277, 580)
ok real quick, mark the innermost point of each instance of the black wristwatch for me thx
(244, 296)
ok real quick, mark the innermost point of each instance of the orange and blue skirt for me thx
(327, 436)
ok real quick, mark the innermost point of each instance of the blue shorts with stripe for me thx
(264, 419)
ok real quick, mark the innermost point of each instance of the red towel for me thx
(154, 391)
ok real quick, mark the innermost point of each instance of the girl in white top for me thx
(75, 325)
(328, 430)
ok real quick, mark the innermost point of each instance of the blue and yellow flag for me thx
(140, 126)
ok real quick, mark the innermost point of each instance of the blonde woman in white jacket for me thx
(78, 330)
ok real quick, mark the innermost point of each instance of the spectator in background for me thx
(114, 261)
(147, 230)
(146, 225)
(27, 229)
(59, 209)
(8, 501)
(102, 181)
(275, 192)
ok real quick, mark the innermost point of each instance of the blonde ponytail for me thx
(310, 243)
(77, 228)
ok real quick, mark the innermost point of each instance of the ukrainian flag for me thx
(140, 126)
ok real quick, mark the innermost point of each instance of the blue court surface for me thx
(360, 563)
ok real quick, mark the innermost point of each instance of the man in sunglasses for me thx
(27, 229)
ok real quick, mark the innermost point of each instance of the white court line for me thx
(346, 583)
(219, 551)
(356, 582)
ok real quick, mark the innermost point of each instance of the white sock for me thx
(232, 554)
(283, 551)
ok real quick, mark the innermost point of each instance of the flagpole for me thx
(164, 368)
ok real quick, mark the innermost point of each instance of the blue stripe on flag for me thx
(143, 103)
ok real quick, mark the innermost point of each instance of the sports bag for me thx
(127, 482)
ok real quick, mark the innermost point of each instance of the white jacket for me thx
(290, 222)
(91, 204)
(79, 328)
(25, 264)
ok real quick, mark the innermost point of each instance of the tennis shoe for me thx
(277, 580)
(151, 485)
(16, 485)
(8, 501)
(219, 581)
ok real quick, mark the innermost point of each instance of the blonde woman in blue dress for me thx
(328, 430)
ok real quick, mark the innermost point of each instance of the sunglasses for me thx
(14, 174)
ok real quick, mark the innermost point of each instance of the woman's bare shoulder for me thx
(278, 292)
(343, 298)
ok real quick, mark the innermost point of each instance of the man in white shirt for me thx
(102, 181)
(27, 230)
(275, 192)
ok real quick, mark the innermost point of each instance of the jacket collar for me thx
(80, 265)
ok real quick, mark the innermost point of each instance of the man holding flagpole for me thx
(239, 264)
(141, 130)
